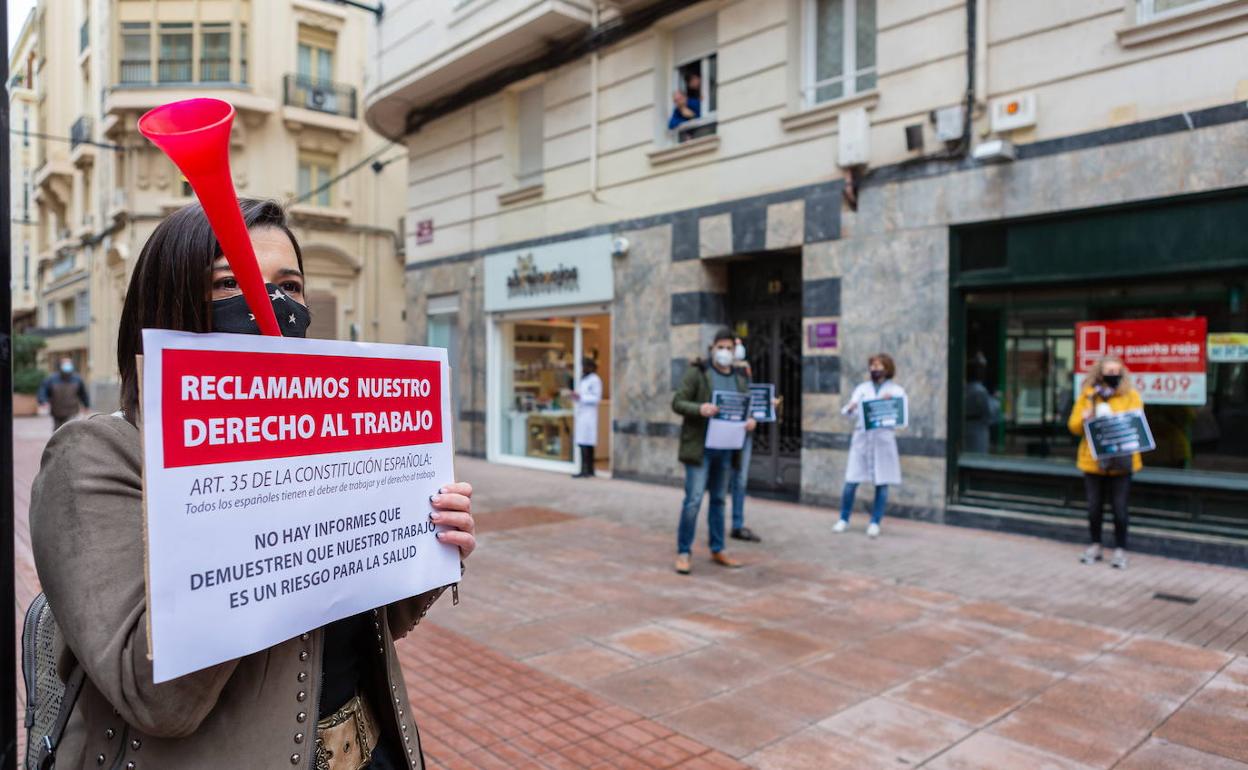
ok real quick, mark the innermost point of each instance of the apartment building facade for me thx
(293, 69)
(959, 184)
(24, 213)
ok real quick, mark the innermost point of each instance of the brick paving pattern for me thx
(932, 647)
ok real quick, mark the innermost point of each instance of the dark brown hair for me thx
(886, 361)
(171, 287)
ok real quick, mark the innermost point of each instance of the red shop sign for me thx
(1166, 356)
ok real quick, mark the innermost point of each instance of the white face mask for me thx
(67, 368)
(739, 353)
(723, 358)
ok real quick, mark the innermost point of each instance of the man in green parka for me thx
(706, 470)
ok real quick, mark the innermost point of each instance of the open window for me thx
(695, 80)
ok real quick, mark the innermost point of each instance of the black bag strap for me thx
(73, 687)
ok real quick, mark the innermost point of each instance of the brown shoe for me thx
(682, 563)
(724, 560)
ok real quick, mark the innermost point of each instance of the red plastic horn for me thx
(195, 134)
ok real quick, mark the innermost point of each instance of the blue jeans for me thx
(737, 483)
(711, 476)
(877, 509)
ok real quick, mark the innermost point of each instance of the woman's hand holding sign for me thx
(452, 507)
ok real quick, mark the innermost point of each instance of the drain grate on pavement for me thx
(1176, 598)
(518, 517)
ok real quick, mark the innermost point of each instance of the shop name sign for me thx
(526, 279)
(573, 272)
(1166, 357)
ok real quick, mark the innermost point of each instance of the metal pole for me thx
(8, 647)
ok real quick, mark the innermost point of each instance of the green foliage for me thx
(27, 376)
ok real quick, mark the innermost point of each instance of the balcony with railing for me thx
(153, 64)
(135, 72)
(319, 95)
(173, 70)
(80, 132)
(460, 41)
(214, 69)
(82, 149)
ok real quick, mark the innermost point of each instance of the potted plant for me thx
(27, 376)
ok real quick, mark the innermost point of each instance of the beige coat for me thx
(255, 713)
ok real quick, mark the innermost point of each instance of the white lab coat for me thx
(585, 428)
(872, 454)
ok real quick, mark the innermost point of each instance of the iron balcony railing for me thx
(214, 70)
(80, 132)
(136, 71)
(320, 95)
(173, 70)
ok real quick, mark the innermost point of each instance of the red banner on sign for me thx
(223, 406)
(1147, 345)
(1166, 356)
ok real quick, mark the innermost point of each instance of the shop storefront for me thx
(550, 309)
(1035, 302)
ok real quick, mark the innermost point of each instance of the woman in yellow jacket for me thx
(1107, 390)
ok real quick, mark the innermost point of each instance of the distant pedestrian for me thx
(872, 453)
(587, 395)
(1106, 391)
(741, 471)
(64, 393)
(706, 470)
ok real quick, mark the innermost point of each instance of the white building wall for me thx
(1080, 59)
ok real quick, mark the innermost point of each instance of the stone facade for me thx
(874, 241)
(884, 281)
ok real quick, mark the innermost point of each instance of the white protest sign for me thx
(727, 429)
(286, 486)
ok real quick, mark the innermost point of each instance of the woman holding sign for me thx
(873, 448)
(330, 698)
(1107, 390)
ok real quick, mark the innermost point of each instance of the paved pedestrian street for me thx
(579, 647)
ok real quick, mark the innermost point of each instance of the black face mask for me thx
(1112, 380)
(232, 315)
(877, 375)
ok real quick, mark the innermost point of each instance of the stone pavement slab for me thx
(577, 646)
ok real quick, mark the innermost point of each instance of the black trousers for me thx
(1115, 488)
(587, 460)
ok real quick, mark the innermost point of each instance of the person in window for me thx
(1107, 390)
(872, 453)
(304, 703)
(688, 103)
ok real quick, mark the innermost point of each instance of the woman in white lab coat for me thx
(872, 453)
(585, 423)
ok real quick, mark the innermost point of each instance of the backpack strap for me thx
(73, 687)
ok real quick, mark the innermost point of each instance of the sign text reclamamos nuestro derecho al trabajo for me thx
(286, 486)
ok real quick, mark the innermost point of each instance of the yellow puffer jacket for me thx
(1119, 402)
